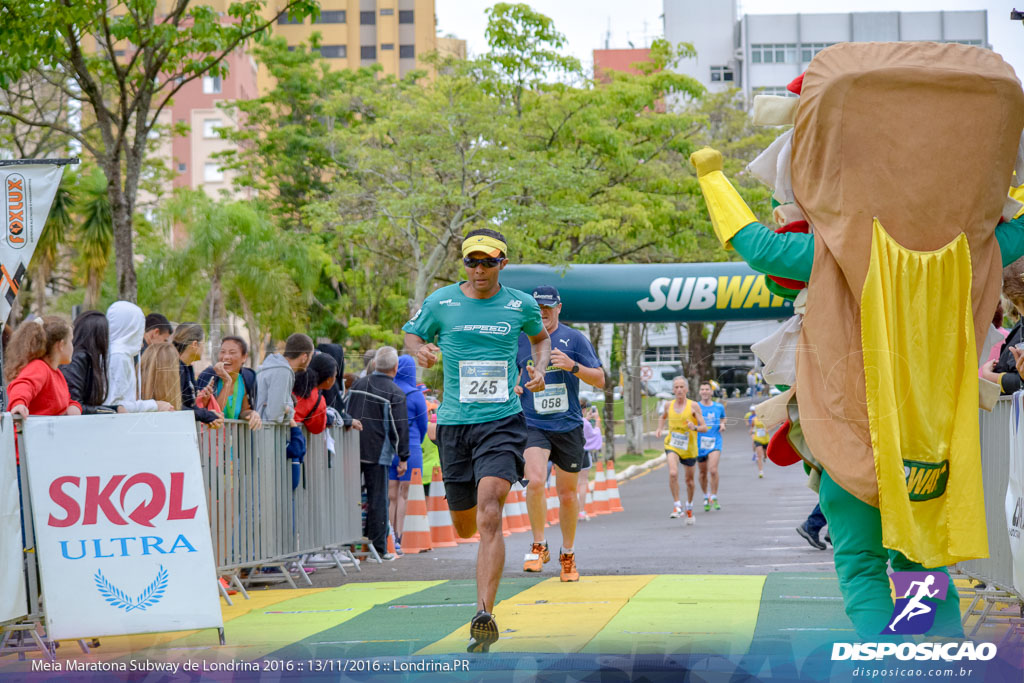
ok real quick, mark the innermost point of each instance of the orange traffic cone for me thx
(589, 507)
(442, 531)
(437, 489)
(518, 518)
(416, 535)
(612, 487)
(600, 494)
(552, 501)
(391, 540)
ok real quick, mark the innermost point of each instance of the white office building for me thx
(761, 53)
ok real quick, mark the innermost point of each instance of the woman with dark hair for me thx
(187, 340)
(86, 374)
(311, 385)
(233, 384)
(335, 396)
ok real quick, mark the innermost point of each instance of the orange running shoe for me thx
(568, 562)
(537, 557)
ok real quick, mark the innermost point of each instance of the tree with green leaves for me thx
(95, 235)
(435, 162)
(287, 149)
(58, 226)
(123, 62)
(234, 259)
(525, 50)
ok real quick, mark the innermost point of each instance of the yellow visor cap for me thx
(486, 244)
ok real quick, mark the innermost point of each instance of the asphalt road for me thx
(754, 533)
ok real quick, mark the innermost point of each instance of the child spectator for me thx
(126, 322)
(335, 396)
(159, 371)
(277, 377)
(86, 374)
(233, 384)
(187, 339)
(36, 386)
(310, 386)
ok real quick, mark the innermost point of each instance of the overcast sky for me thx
(586, 22)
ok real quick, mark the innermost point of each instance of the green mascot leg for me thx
(861, 559)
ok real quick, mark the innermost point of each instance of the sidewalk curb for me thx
(634, 471)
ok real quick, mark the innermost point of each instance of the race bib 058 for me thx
(554, 399)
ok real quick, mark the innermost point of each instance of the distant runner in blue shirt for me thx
(554, 429)
(709, 447)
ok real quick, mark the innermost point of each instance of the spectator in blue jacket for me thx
(416, 407)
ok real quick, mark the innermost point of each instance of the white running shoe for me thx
(677, 512)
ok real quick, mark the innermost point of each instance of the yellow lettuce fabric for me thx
(921, 375)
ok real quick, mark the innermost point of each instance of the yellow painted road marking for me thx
(552, 616)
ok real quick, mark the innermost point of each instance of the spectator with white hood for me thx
(127, 324)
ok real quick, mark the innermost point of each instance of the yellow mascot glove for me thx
(1018, 194)
(729, 213)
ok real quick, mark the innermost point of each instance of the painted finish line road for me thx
(753, 533)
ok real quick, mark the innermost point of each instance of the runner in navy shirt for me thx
(554, 424)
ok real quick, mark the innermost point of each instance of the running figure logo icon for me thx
(911, 615)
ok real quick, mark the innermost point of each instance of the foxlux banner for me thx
(666, 292)
(27, 192)
(122, 529)
(13, 603)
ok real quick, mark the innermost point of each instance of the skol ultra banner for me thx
(13, 602)
(26, 193)
(663, 292)
(122, 529)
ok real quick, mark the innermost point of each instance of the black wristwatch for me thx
(575, 368)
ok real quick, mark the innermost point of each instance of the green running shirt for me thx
(479, 339)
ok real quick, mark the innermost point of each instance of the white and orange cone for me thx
(600, 493)
(416, 534)
(552, 501)
(442, 531)
(612, 487)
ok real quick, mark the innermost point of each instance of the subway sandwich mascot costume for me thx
(896, 221)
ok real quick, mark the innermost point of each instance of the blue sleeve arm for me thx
(1010, 236)
(788, 254)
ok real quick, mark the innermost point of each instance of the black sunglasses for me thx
(485, 262)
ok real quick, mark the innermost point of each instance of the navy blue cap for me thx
(546, 295)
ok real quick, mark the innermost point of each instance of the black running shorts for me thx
(470, 452)
(689, 462)
(566, 447)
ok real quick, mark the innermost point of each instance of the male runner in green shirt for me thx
(481, 432)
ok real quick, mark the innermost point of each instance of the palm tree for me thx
(95, 235)
(55, 232)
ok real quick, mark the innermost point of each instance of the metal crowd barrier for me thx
(263, 529)
(995, 572)
(259, 525)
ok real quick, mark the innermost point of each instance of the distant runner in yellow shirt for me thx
(684, 421)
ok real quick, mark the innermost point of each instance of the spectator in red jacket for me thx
(310, 405)
(36, 385)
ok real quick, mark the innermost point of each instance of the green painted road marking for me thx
(401, 626)
(703, 614)
(262, 631)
